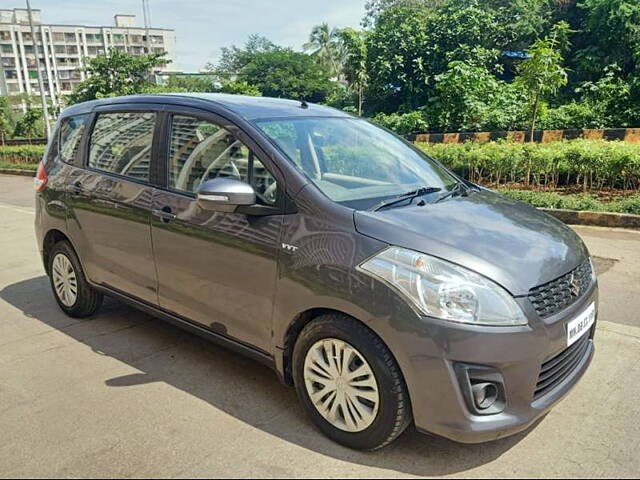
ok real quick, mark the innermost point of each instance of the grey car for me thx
(387, 290)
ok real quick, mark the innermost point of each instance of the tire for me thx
(339, 332)
(87, 300)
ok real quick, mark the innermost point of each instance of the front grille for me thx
(555, 370)
(558, 294)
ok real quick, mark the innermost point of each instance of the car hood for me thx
(508, 241)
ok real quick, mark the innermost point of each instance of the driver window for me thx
(200, 150)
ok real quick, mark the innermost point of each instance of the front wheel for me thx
(349, 383)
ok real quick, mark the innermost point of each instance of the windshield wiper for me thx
(404, 196)
(455, 190)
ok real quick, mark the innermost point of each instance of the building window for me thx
(5, 35)
(11, 74)
(6, 48)
(121, 144)
(58, 37)
(70, 37)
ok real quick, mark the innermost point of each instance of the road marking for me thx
(10, 207)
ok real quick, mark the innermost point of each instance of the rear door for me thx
(110, 196)
(217, 269)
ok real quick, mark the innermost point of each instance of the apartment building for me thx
(63, 50)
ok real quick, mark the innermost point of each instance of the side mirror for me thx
(225, 194)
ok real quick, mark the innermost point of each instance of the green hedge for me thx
(21, 154)
(590, 202)
(591, 164)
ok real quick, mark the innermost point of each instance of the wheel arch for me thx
(52, 237)
(303, 319)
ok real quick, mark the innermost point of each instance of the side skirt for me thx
(194, 328)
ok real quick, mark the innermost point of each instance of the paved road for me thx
(124, 394)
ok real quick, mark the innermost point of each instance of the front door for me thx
(110, 198)
(216, 269)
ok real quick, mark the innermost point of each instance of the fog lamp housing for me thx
(482, 388)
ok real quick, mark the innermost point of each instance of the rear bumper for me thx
(440, 400)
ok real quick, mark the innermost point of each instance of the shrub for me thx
(402, 123)
(591, 164)
(575, 202)
(19, 154)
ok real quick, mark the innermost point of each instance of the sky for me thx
(204, 26)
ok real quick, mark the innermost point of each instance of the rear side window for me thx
(71, 131)
(121, 144)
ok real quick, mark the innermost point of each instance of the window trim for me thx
(114, 109)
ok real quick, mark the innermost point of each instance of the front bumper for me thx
(516, 353)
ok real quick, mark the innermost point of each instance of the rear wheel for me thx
(349, 383)
(72, 291)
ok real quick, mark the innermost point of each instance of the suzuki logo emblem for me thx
(574, 286)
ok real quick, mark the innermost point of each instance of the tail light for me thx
(41, 178)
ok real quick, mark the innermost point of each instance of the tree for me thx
(233, 59)
(285, 73)
(27, 125)
(324, 44)
(542, 72)
(355, 62)
(410, 46)
(239, 87)
(373, 8)
(116, 73)
(191, 83)
(6, 119)
(396, 51)
(610, 34)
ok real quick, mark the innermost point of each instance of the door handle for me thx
(164, 214)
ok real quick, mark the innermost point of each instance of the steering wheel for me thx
(224, 171)
(270, 193)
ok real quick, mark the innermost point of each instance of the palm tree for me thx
(324, 43)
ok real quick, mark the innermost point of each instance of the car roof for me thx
(248, 107)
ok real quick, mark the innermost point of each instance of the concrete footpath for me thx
(126, 395)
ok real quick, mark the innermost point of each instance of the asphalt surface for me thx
(126, 395)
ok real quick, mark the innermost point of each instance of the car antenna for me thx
(303, 104)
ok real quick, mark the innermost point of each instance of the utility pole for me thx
(146, 14)
(43, 98)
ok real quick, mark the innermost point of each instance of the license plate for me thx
(581, 324)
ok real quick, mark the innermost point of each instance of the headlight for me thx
(443, 290)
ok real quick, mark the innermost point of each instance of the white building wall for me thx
(64, 49)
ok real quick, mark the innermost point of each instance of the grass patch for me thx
(19, 166)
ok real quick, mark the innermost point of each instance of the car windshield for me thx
(354, 162)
